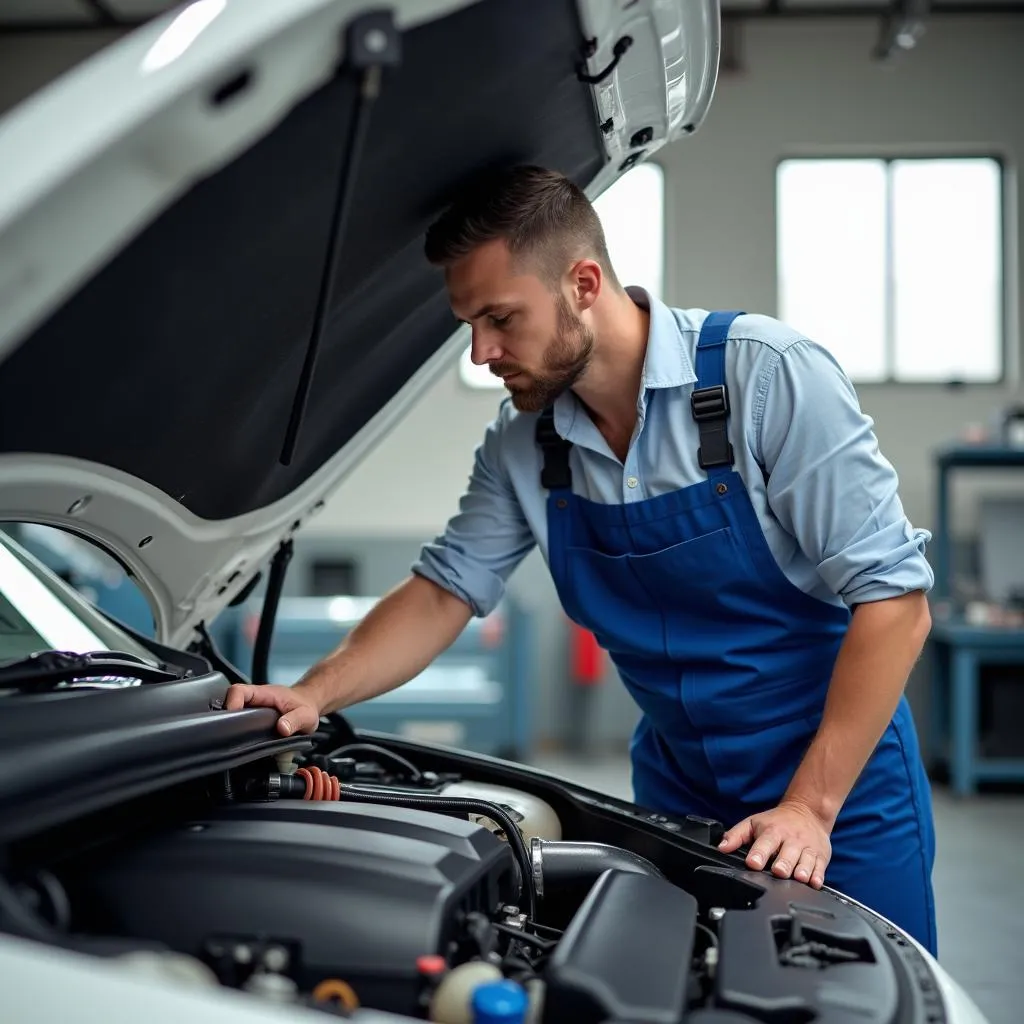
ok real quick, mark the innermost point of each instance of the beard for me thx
(565, 361)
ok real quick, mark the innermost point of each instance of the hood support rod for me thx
(372, 42)
(271, 599)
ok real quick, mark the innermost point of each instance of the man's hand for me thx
(793, 830)
(298, 708)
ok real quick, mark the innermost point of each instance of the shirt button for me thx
(631, 481)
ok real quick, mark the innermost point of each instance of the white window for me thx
(896, 266)
(632, 213)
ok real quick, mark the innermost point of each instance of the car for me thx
(213, 303)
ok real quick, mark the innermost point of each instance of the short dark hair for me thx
(541, 215)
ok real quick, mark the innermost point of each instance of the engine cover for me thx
(355, 892)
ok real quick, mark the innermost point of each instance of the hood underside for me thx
(162, 280)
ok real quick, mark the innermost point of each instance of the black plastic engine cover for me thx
(625, 955)
(799, 955)
(356, 891)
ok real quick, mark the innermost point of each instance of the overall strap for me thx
(556, 474)
(709, 402)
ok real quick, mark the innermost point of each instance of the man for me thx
(712, 504)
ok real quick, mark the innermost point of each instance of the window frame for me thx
(1009, 328)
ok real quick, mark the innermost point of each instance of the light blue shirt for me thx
(830, 509)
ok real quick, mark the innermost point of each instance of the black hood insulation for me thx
(178, 362)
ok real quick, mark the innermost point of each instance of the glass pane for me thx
(632, 213)
(947, 259)
(35, 617)
(831, 258)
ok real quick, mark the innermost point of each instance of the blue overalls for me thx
(728, 661)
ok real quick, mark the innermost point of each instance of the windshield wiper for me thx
(41, 670)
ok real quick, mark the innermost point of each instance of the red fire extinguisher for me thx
(585, 655)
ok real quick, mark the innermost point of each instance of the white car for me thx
(213, 303)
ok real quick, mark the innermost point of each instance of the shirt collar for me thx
(667, 361)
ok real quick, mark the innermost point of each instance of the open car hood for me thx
(165, 220)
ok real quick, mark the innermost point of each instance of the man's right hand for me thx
(298, 708)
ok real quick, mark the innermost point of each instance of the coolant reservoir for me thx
(452, 1002)
(535, 817)
(161, 965)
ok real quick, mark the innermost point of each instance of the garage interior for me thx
(921, 105)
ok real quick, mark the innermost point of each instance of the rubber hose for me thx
(458, 806)
(372, 748)
(558, 862)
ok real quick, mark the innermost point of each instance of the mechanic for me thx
(712, 504)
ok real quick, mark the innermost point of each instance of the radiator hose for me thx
(458, 807)
(558, 863)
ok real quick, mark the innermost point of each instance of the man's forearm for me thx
(884, 640)
(399, 638)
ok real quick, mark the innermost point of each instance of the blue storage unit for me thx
(960, 648)
(475, 695)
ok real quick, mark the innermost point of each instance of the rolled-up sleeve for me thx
(829, 484)
(487, 538)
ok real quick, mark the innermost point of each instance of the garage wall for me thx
(812, 88)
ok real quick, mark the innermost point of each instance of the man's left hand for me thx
(792, 832)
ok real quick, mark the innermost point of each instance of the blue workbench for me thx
(960, 648)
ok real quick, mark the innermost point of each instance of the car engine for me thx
(338, 898)
(348, 880)
(404, 895)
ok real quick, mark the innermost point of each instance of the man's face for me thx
(526, 335)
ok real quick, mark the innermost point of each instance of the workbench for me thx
(960, 648)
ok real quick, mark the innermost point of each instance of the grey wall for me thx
(811, 87)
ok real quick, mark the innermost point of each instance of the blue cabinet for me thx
(961, 648)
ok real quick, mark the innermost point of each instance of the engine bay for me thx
(357, 875)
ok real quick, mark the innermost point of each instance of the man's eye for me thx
(500, 321)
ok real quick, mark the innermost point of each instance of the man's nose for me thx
(484, 348)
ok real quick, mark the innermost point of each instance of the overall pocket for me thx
(604, 595)
(652, 605)
(706, 589)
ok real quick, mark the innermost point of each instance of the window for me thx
(330, 577)
(896, 265)
(38, 611)
(632, 213)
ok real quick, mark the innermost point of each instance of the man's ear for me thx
(586, 279)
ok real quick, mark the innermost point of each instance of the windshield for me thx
(39, 612)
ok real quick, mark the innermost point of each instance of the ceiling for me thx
(79, 13)
(825, 8)
(34, 15)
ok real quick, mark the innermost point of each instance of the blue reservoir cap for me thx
(499, 1002)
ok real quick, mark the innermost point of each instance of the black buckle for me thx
(710, 408)
(555, 473)
(710, 403)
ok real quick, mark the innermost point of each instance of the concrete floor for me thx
(979, 884)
